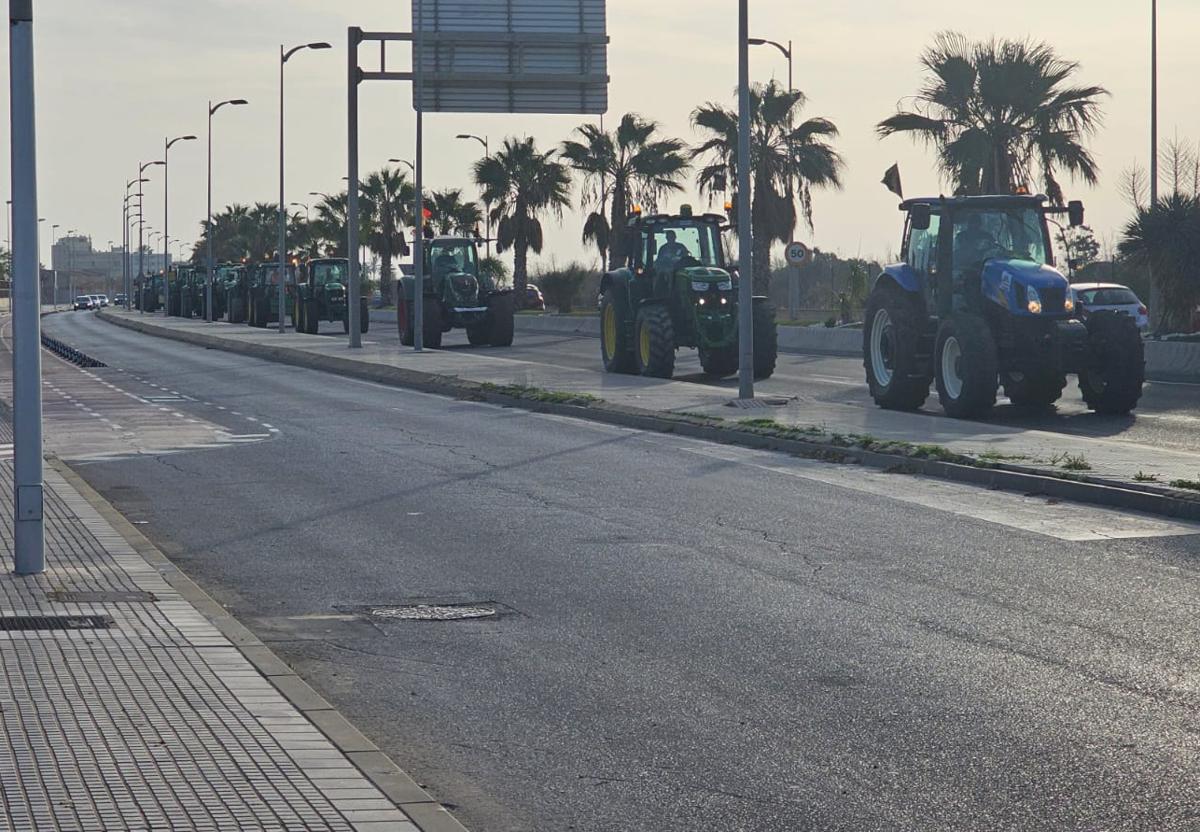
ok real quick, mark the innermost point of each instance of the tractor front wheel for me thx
(719, 363)
(364, 316)
(891, 332)
(1034, 389)
(299, 319)
(654, 341)
(404, 321)
(1112, 382)
(500, 324)
(431, 312)
(615, 350)
(967, 367)
(312, 316)
(766, 339)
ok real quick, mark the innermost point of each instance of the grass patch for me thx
(1142, 477)
(537, 394)
(997, 456)
(692, 415)
(1190, 485)
(1071, 462)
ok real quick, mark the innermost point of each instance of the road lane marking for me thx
(1061, 520)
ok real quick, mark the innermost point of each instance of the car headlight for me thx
(1033, 301)
(1069, 303)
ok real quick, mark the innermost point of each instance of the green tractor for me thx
(150, 290)
(456, 294)
(234, 282)
(675, 290)
(321, 295)
(263, 293)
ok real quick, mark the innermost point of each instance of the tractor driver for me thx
(445, 263)
(671, 253)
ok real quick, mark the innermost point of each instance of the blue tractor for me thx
(977, 303)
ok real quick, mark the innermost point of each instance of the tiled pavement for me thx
(159, 722)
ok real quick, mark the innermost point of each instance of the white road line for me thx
(1061, 520)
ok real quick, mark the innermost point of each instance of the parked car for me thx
(1097, 297)
(84, 302)
(118, 300)
(103, 300)
(533, 297)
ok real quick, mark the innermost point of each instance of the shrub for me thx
(494, 267)
(560, 285)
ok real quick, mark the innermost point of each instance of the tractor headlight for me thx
(1069, 302)
(1033, 301)
(700, 301)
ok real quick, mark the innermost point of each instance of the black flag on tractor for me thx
(891, 180)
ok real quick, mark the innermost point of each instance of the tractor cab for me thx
(326, 271)
(455, 293)
(973, 254)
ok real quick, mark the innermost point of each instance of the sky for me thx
(115, 78)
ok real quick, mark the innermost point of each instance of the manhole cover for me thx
(13, 623)
(68, 596)
(433, 612)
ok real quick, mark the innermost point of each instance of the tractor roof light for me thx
(685, 210)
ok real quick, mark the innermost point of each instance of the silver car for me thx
(1100, 297)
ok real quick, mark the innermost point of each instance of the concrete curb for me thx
(426, 813)
(999, 476)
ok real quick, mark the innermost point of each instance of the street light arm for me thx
(472, 136)
(237, 102)
(787, 53)
(289, 53)
(180, 139)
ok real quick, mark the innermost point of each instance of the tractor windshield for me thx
(671, 245)
(450, 256)
(329, 272)
(1001, 233)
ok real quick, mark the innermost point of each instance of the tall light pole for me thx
(53, 268)
(794, 271)
(1153, 102)
(141, 254)
(128, 264)
(8, 225)
(166, 197)
(208, 275)
(283, 59)
(70, 262)
(745, 240)
(29, 554)
(487, 214)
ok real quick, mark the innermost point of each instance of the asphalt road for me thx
(691, 636)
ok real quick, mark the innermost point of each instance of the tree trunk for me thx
(618, 230)
(520, 272)
(385, 276)
(760, 242)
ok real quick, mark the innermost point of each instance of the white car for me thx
(1100, 297)
(103, 300)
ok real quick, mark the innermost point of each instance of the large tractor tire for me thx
(891, 334)
(298, 317)
(1034, 389)
(312, 316)
(500, 321)
(766, 339)
(237, 310)
(654, 341)
(720, 363)
(479, 335)
(1112, 382)
(616, 349)
(431, 336)
(967, 366)
(364, 316)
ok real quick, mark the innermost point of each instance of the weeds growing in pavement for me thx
(537, 394)
(1142, 477)
(1190, 485)
(1071, 462)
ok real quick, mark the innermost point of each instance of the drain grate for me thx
(69, 353)
(433, 612)
(132, 596)
(15, 623)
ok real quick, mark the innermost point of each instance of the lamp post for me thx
(53, 268)
(70, 264)
(283, 59)
(141, 254)
(487, 214)
(403, 162)
(745, 240)
(166, 195)
(8, 225)
(1153, 102)
(208, 271)
(128, 265)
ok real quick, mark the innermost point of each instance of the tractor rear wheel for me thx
(1112, 381)
(1034, 389)
(431, 312)
(299, 319)
(312, 316)
(766, 339)
(500, 321)
(479, 335)
(404, 321)
(654, 341)
(615, 350)
(891, 332)
(719, 363)
(364, 316)
(967, 367)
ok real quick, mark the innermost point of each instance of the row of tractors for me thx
(314, 291)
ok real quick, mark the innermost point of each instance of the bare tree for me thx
(1179, 166)
(1135, 186)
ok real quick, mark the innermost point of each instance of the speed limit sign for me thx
(797, 254)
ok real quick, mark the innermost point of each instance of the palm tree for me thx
(629, 165)
(453, 216)
(262, 232)
(520, 183)
(387, 198)
(999, 112)
(230, 230)
(1166, 236)
(785, 161)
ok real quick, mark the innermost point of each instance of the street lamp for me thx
(283, 59)
(166, 191)
(403, 162)
(53, 268)
(8, 225)
(70, 264)
(212, 109)
(487, 213)
(127, 269)
(141, 229)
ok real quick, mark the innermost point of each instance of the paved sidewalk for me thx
(158, 720)
(1109, 458)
